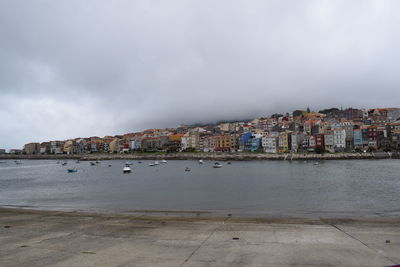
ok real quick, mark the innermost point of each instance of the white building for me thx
(269, 143)
(297, 140)
(339, 139)
(190, 141)
(329, 141)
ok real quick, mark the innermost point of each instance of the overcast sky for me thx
(83, 68)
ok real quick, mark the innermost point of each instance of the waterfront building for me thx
(357, 139)
(244, 144)
(255, 144)
(208, 143)
(32, 148)
(234, 142)
(284, 142)
(270, 143)
(320, 140)
(222, 143)
(339, 139)
(56, 147)
(329, 141)
(69, 147)
(363, 129)
(2, 151)
(296, 141)
(190, 141)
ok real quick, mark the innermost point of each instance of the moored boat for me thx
(72, 170)
(217, 165)
(126, 169)
(201, 161)
(163, 161)
(187, 169)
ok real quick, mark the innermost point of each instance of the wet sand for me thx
(54, 238)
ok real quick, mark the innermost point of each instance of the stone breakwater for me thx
(211, 156)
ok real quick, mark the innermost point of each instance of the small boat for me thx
(126, 169)
(152, 164)
(316, 163)
(72, 170)
(64, 163)
(201, 161)
(109, 165)
(139, 162)
(156, 162)
(163, 161)
(229, 163)
(217, 165)
(78, 161)
(18, 162)
(92, 163)
(187, 169)
(129, 163)
(97, 162)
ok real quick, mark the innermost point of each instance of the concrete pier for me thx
(46, 238)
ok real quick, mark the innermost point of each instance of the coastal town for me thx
(301, 131)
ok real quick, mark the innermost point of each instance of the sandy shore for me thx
(52, 238)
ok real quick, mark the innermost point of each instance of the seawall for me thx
(210, 156)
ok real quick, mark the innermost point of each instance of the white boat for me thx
(217, 165)
(316, 163)
(128, 163)
(152, 164)
(163, 161)
(126, 169)
(156, 162)
(201, 161)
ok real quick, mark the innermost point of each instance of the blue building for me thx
(245, 141)
(255, 144)
(358, 138)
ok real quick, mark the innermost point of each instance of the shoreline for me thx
(209, 156)
(203, 216)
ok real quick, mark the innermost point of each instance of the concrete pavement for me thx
(44, 238)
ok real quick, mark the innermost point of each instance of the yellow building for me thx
(222, 142)
(68, 146)
(114, 145)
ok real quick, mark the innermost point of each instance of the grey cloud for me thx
(82, 68)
